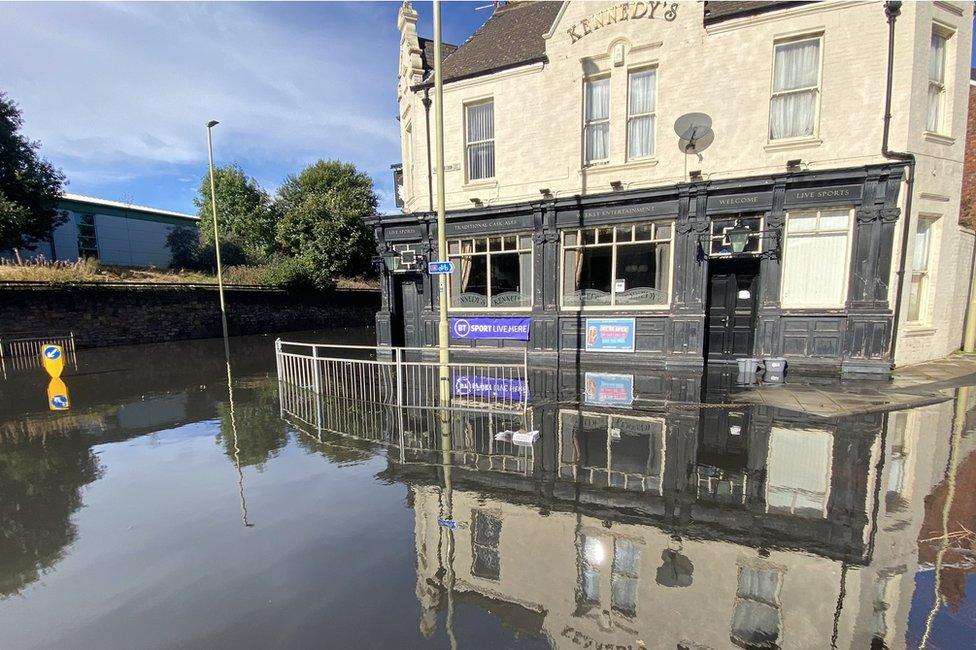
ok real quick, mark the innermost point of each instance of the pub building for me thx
(681, 183)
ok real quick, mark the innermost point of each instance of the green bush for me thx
(292, 273)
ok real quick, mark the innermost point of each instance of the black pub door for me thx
(731, 312)
(406, 327)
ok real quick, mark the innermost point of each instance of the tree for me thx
(30, 186)
(243, 211)
(322, 211)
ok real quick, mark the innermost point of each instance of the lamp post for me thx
(213, 205)
(442, 329)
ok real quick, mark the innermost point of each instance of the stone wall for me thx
(103, 315)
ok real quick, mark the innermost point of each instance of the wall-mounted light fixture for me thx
(738, 236)
(794, 165)
(616, 186)
(476, 201)
(695, 175)
(546, 193)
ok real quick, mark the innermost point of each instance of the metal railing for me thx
(407, 377)
(23, 352)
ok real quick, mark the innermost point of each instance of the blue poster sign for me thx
(513, 329)
(514, 390)
(603, 389)
(610, 334)
(440, 268)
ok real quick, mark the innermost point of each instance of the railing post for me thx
(397, 358)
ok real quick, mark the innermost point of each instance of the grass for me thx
(90, 270)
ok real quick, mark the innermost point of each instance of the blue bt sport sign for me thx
(512, 329)
(610, 334)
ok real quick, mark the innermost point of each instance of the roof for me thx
(728, 9)
(513, 36)
(91, 200)
(427, 52)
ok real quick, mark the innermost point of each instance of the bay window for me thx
(641, 106)
(617, 265)
(796, 89)
(596, 129)
(491, 272)
(480, 140)
(918, 296)
(816, 257)
(935, 119)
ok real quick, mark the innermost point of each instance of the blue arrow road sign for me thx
(440, 268)
(52, 352)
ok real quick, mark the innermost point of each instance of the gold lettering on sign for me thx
(620, 12)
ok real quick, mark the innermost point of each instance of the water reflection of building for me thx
(690, 528)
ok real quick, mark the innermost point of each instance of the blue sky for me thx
(118, 93)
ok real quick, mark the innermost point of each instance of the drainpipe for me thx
(430, 169)
(892, 10)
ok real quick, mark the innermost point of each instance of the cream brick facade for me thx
(722, 69)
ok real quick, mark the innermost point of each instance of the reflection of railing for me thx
(23, 352)
(415, 432)
(718, 485)
(404, 376)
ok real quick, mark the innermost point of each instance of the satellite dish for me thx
(694, 132)
(696, 145)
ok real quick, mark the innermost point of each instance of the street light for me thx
(738, 236)
(213, 205)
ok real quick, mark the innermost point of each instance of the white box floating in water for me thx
(525, 438)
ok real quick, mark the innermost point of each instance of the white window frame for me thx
(488, 253)
(587, 123)
(942, 121)
(815, 132)
(785, 266)
(471, 143)
(613, 264)
(925, 293)
(651, 114)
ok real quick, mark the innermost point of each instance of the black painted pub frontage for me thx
(796, 265)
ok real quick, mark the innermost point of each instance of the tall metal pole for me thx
(213, 205)
(442, 329)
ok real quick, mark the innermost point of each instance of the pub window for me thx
(480, 141)
(816, 257)
(491, 272)
(796, 89)
(486, 531)
(935, 120)
(87, 238)
(918, 297)
(617, 265)
(756, 618)
(596, 129)
(641, 106)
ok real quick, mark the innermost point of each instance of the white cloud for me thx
(121, 91)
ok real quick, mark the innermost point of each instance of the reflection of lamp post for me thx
(213, 204)
(738, 236)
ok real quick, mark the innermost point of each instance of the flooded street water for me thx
(165, 510)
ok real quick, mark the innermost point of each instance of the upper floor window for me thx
(935, 120)
(597, 120)
(492, 272)
(87, 238)
(486, 531)
(756, 617)
(796, 89)
(641, 107)
(480, 140)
